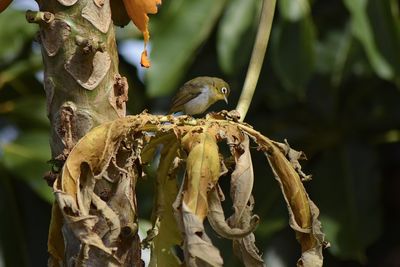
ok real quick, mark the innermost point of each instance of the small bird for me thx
(198, 94)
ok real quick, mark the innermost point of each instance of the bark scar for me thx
(120, 90)
(119, 94)
(65, 128)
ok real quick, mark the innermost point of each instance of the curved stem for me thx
(257, 57)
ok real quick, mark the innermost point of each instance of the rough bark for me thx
(84, 89)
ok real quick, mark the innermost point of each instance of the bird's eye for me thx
(224, 90)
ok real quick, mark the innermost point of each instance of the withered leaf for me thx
(247, 251)
(294, 156)
(137, 11)
(245, 248)
(55, 243)
(89, 161)
(144, 59)
(202, 170)
(81, 225)
(167, 189)
(85, 165)
(217, 221)
(303, 214)
(242, 178)
(197, 245)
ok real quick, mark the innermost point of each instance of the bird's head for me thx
(220, 89)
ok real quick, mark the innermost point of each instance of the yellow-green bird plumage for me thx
(198, 94)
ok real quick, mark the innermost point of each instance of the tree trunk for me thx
(84, 89)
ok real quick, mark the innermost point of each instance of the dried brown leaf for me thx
(95, 155)
(217, 221)
(137, 11)
(245, 248)
(144, 60)
(113, 223)
(197, 245)
(93, 221)
(294, 156)
(242, 178)
(81, 225)
(313, 257)
(303, 214)
(96, 149)
(55, 243)
(168, 234)
(247, 251)
(202, 170)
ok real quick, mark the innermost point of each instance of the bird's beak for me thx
(226, 99)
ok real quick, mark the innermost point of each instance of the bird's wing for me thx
(186, 93)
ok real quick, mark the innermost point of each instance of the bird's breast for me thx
(198, 104)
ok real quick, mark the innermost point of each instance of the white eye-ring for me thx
(224, 90)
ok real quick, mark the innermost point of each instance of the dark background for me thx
(330, 85)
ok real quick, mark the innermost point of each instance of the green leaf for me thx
(346, 188)
(15, 35)
(293, 53)
(27, 159)
(362, 30)
(235, 34)
(174, 47)
(294, 10)
(385, 23)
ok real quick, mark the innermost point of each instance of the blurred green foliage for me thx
(330, 85)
